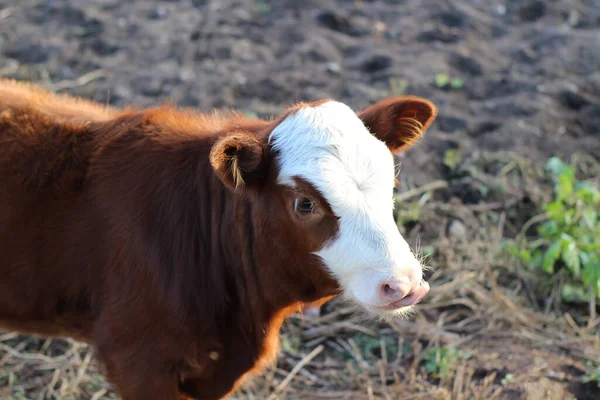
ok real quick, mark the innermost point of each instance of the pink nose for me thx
(394, 290)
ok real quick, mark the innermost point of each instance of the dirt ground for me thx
(515, 83)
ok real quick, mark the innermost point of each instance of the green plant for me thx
(290, 343)
(398, 86)
(369, 345)
(443, 80)
(508, 378)
(94, 383)
(407, 212)
(440, 362)
(593, 375)
(250, 114)
(452, 158)
(8, 378)
(4, 377)
(262, 7)
(428, 251)
(20, 395)
(569, 237)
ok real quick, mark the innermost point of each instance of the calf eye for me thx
(304, 205)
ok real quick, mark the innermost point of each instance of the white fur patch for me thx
(329, 146)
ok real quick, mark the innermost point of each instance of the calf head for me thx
(324, 176)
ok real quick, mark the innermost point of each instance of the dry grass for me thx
(514, 347)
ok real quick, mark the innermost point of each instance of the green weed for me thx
(569, 238)
(452, 158)
(369, 345)
(593, 375)
(441, 362)
(262, 7)
(508, 378)
(398, 86)
(444, 80)
(250, 114)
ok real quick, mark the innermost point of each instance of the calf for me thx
(177, 242)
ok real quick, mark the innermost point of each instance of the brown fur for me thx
(157, 235)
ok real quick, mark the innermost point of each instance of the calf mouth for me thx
(410, 300)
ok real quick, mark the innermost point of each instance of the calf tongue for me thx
(414, 297)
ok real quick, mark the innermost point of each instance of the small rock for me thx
(160, 12)
(71, 15)
(466, 193)
(453, 19)
(187, 74)
(574, 18)
(199, 3)
(333, 67)
(376, 62)
(341, 23)
(27, 51)
(240, 78)
(363, 91)
(191, 99)
(457, 229)
(589, 118)
(177, 51)
(484, 127)
(110, 4)
(66, 72)
(438, 34)
(532, 11)
(316, 55)
(148, 86)
(498, 31)
(573, 100)
(450, 124)
(102, 48)
(168, 69)
(223, 52)
(392, 34)
(123, 92)
(465, 64)
(92, 27)
(269, 90)
(195, 35)
(525, 55)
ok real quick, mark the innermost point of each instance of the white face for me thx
(329, 146)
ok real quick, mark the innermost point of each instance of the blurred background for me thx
(501, 196)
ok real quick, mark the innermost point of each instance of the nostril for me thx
(389, 291)
(392, 291)
(396, 289)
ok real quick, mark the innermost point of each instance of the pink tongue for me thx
(414, 297)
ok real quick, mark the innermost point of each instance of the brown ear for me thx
(399, 121)
(239, 159)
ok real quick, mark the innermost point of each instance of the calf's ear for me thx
(239, 159)
(399, 121)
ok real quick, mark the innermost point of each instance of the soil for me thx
(524, 76)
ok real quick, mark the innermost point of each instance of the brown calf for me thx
(177, 242)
